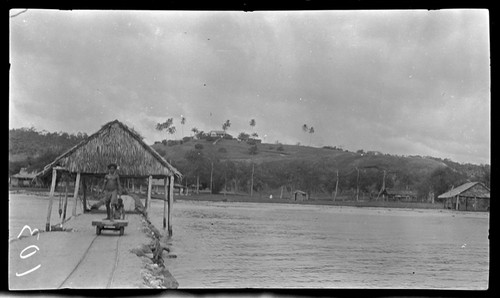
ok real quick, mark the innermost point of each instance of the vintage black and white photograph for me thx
(328, 149)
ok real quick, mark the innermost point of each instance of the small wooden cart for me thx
(116, 225)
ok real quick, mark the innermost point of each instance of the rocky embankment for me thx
(155, 274)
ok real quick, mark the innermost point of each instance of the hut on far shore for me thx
(300, 195)
(23, 178)
(113, 143)
(398, 195)
(471, 196)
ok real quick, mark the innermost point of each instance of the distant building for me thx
(158, 186)
(216, 133)
(299, 195)
(23, 178)
(471, 196)
(398, 195)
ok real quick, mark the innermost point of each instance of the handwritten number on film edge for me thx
(32, 232)
(22, 256)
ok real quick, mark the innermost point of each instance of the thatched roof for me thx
(462, 190)
(113, 143)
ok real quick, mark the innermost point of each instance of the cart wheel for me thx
(98, 230)
(122, 230)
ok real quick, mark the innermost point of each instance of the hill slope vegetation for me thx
(229, 164)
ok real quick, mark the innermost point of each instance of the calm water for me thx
(279, 245)
(292, 246)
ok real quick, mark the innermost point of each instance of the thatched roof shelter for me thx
(113, 143)
(471, 196)
(469, 189)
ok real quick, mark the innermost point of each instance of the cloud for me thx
(405, 82)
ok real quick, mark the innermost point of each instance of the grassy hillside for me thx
(343, 160)
(315, 169)
(296, 167)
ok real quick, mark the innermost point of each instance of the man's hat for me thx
(112, 165)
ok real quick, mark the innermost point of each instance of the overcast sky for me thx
(399, 82)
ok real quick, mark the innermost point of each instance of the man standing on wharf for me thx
(112, 189)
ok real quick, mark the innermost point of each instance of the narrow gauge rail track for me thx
(96, 268)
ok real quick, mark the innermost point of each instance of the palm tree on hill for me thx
(311, 131)
(167, 125)
(226, 125)
(305, 128)
(195, 130)
(252, 124)
(183, 121)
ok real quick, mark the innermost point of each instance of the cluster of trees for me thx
(31, 141)
(318, 178)
(170, 129)
(323, 178)
(443, 179)
(471, 171)
(35, 148)
(250, 139)
(208, 169)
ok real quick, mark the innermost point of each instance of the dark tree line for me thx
(316, 178)
(35, 148)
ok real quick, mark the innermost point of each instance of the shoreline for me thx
(259, 199)
(360, 204)
(155, 273)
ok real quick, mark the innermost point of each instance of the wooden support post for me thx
(281, 194)
(51, 198)
(251, 184)
(84, 187)
(170, 203)
(66, 182)
(457, 202)
(211, 176)
(148, 198)
(336, 186)
(75, 194)
(225, 183)
(165, 201)
(198, 184)
(357, 185)
(133, 185)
